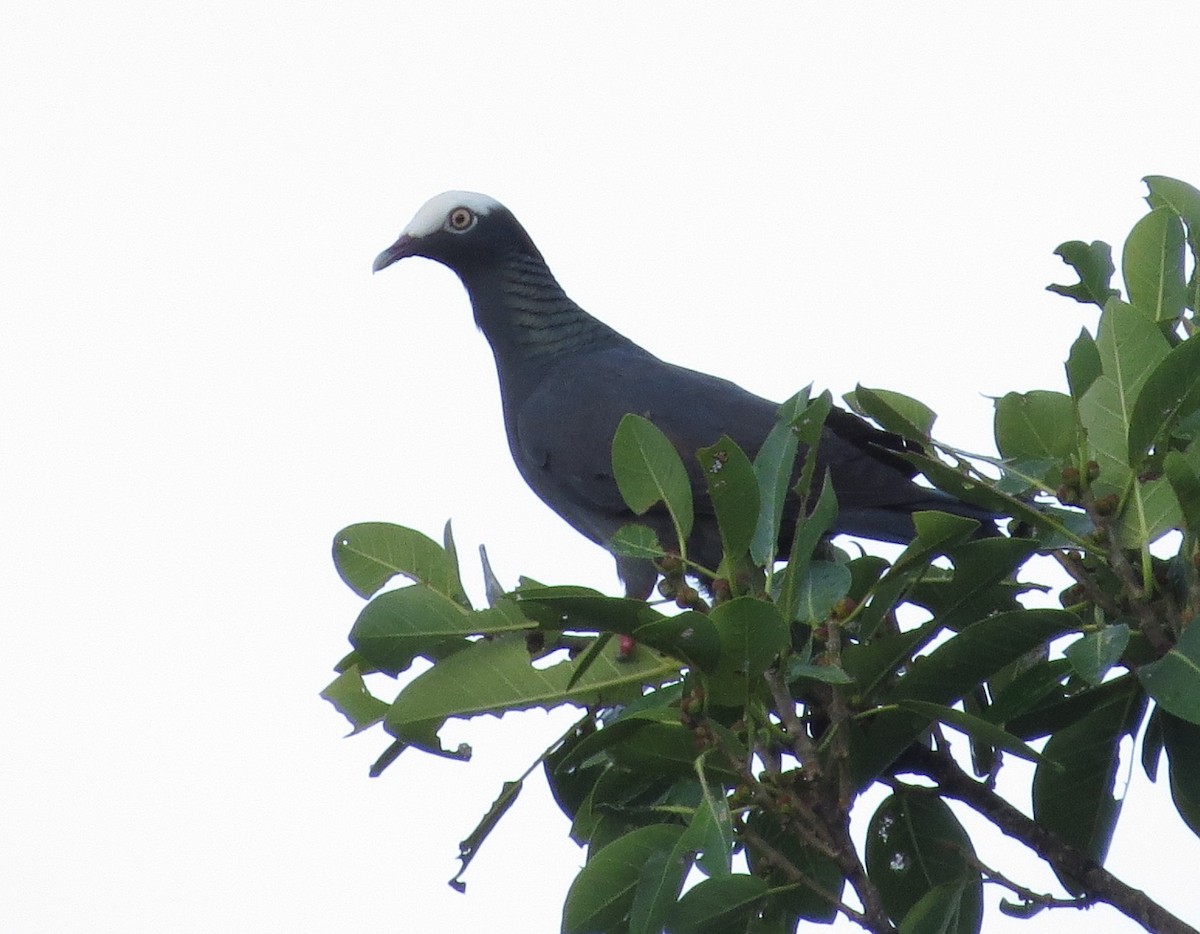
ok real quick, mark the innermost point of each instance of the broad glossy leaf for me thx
(1179, 196)
(914, 845)
(664, 749)
(1152, 264)
(369, 554)
(1083, 364)
(894, 411)
(752, 634)
(936, 534)
(1036, 424)
(349, 695)
(1094, 654)
(1056, 711)
(710, 833)
(946, 675)
(1130, 347)
(1075, 798)
(601, 897)
(1169, 394)
(688, 636)
(773, 468)
(733, 488)
(975, 727)
(1185, 483)
(495, 676)
(1181, 739)
(944, 909)
(809, 532)
(1174, 680)
(648, 470)
(1094, 266)
(823, 586)
(721, 905)
(981, 582)
(659, 884)
(399, 625)
(636, 541)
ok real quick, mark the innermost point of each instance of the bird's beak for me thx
(403, 247)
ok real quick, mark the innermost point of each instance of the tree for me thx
(752, 718)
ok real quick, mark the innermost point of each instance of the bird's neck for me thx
(527, 317)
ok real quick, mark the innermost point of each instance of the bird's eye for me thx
(461, 219)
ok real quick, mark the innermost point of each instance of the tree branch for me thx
(1097, 882)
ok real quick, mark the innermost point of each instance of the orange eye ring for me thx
(460, 219)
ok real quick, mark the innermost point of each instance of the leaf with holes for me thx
(914, 845)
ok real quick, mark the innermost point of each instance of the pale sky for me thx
(203, 382)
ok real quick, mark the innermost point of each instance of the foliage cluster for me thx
(750, 718)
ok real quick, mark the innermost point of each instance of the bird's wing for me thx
(565, 427)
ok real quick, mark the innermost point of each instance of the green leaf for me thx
(1075, 799)
(636, 541)
(1093, 263)
(710, 833)
(733, 488)
(1130, 347)
(662, 749)
(468, 848)
(773, 468)
(690, 637)
(914, 845)
(1184, 201)
(648, 470)
(823, 586)
(981, 582)
(1186, 485)
(1170, 393)
(1036, 424)
(1152, 264)
(722, 905)
(399, 625)
(1094, 654)
(601, 897)
(946, 675)
(1083, 364)
(495, 676)
(1181, 739)
(659, 884)
(1174, 680)
(942, 910)
(975, 727)
(809, 531)
(369, 554)
(752, 635)
(936, 534)
(894, 411)
(826, 674)
(349, 695)
(817, 903)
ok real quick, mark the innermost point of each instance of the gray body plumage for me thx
(567, 379)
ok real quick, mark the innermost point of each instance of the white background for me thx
(202, 382)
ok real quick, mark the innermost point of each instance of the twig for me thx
(780, 861)
(785, 706)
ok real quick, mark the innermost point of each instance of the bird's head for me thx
(460, 229)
